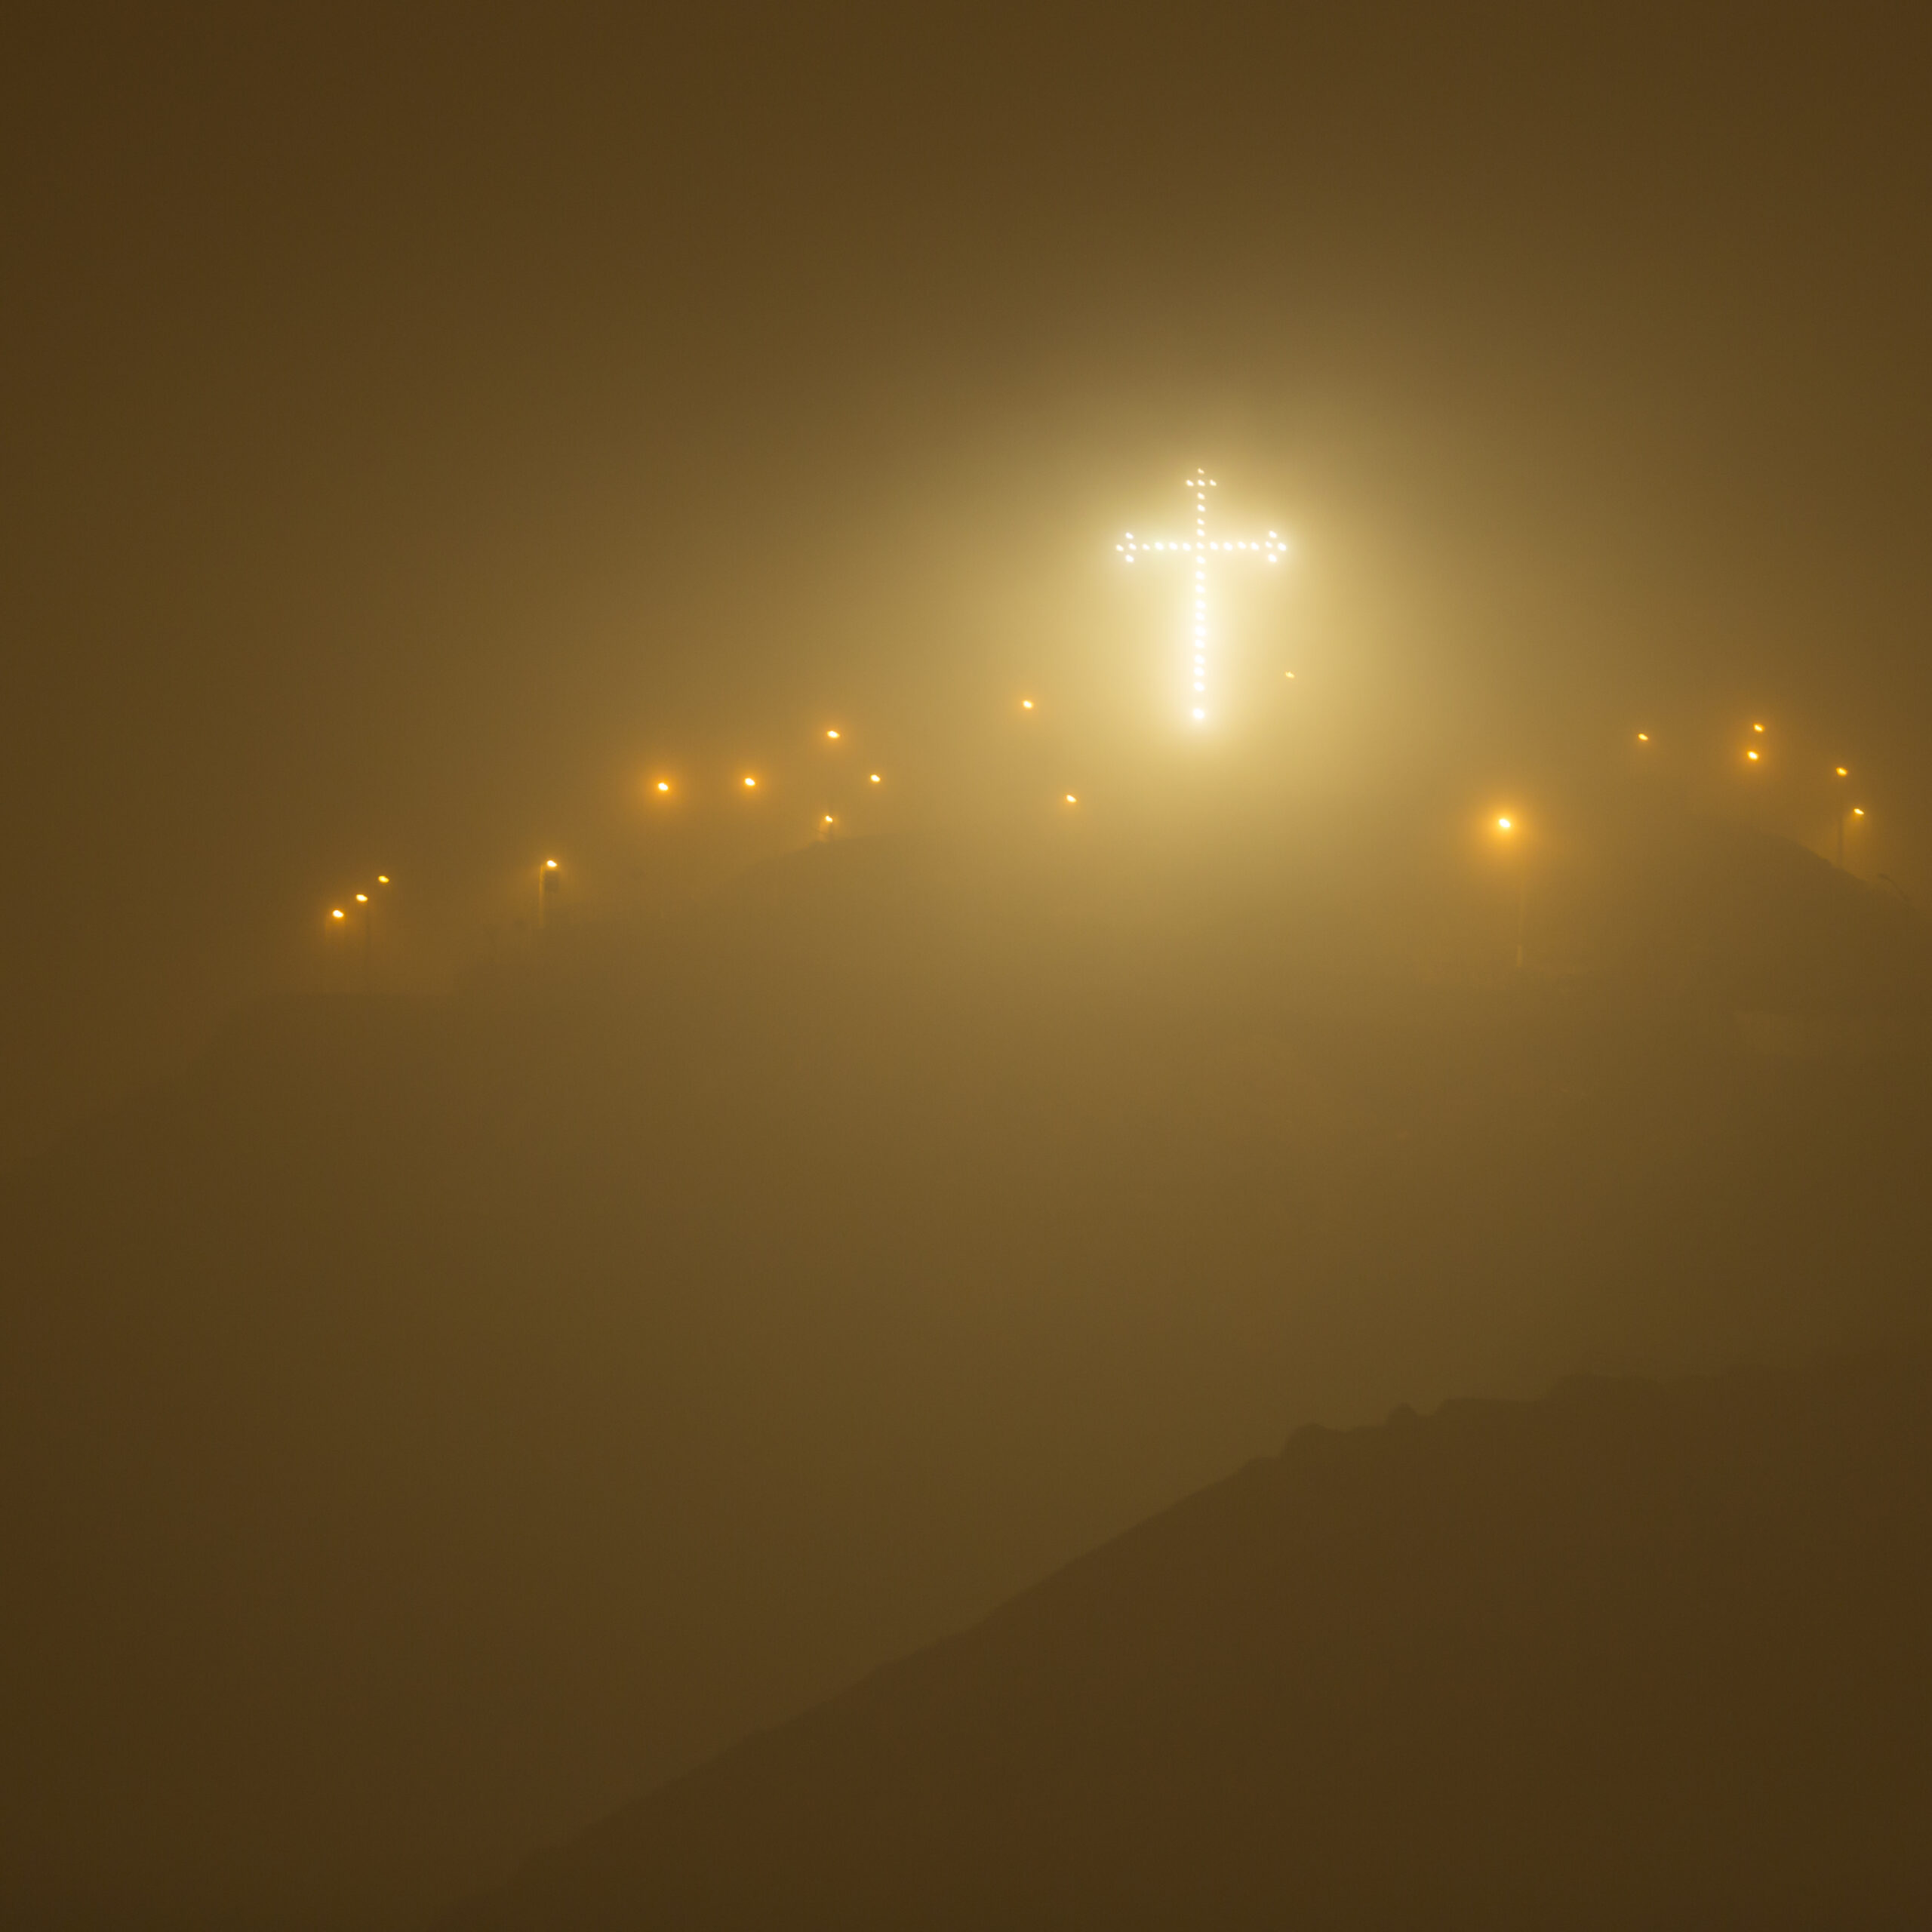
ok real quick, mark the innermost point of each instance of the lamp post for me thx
(1507, 826)
(547, 880)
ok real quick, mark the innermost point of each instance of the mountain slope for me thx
(423, 1428)
(1634, 1655)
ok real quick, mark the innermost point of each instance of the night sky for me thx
(424, 423)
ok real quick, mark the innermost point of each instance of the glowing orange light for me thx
(663, 785)
(1643, 737)
(751, 784)
(1843, 773)
(1858, 811)
(1071, 799)
(828, 818)
(1503, 825)
(1757, 727)
(1026, 704)
(382, 878)
(1753, 756)
(874, 778)
(336, 914)
(361, 899)
(831, 734)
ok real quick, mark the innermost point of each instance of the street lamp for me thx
(1507, 826)
(546, 881)
(1856, 811)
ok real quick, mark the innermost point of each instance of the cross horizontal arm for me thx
(1271, 546)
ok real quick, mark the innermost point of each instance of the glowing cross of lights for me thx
(1201, 549)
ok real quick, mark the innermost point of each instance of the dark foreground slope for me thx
(1636, 1655)
(425, 1428)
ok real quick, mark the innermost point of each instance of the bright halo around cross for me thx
(1199, 548)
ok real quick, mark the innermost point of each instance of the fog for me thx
(472, 1354)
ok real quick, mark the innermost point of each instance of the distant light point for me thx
(663, 785)
(874, 778)
(1643, 737)
(1753, 756)
(550, 865)
(1071, 799)
(1502, 825)
(831, 734)
(1843, 773)
(382, 878)
(361, 899)
(751, 784)
(1757, 727)
(336, 913)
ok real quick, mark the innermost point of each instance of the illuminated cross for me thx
(1274, 549)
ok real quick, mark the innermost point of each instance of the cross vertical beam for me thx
(1200, 550)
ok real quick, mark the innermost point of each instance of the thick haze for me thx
(454, 1390)
(425, 424)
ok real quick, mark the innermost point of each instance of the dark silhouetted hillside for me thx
(425, 1427)
(1635, 1655)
